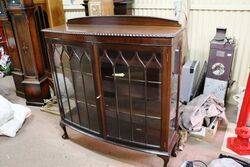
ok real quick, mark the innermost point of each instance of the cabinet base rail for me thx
(163, 155)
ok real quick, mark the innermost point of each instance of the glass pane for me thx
(138, 98)
(109, 95)
(58, 49)
(14, 2)
(153, 131)
(83, 113)
(76, 85)
(89, 90)
(56, 53)
(139, 130)
(173, 102)
(75, 65)
(132, 86)
(93, 117)
(121, 79)
(153, 106)
(2, 10)
(69, 93)
(61, 61)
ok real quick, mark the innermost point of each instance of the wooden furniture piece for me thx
(55, 12)
(47, 14)
(12, 50)
(117, 79)
(23, 16)
(86, 7)
(100, 8)
(121, 7)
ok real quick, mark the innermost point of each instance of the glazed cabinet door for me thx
(132, 82)
(73, 76)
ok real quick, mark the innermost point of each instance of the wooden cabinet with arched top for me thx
(117, 79)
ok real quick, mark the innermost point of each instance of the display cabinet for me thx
(123, 7)
(117, 79)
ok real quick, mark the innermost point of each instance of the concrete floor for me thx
(39, 144)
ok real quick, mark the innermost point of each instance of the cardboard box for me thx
(207, 133)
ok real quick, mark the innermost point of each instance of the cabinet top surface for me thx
(126, 26)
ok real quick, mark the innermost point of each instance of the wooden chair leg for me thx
(174, 151)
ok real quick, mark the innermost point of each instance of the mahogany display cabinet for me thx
(117, 79)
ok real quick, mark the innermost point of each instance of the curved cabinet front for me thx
(127, 105)
(120, 87)
(73, 74)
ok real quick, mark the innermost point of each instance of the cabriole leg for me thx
(165, 159)
(65, 134)
(174, 151)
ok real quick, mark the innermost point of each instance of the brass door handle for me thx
(121, 75)
(98, 97)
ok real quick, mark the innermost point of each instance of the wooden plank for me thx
(55, 12)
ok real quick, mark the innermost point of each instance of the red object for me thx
(241, 144)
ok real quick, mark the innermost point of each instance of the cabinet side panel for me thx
(166, 97)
